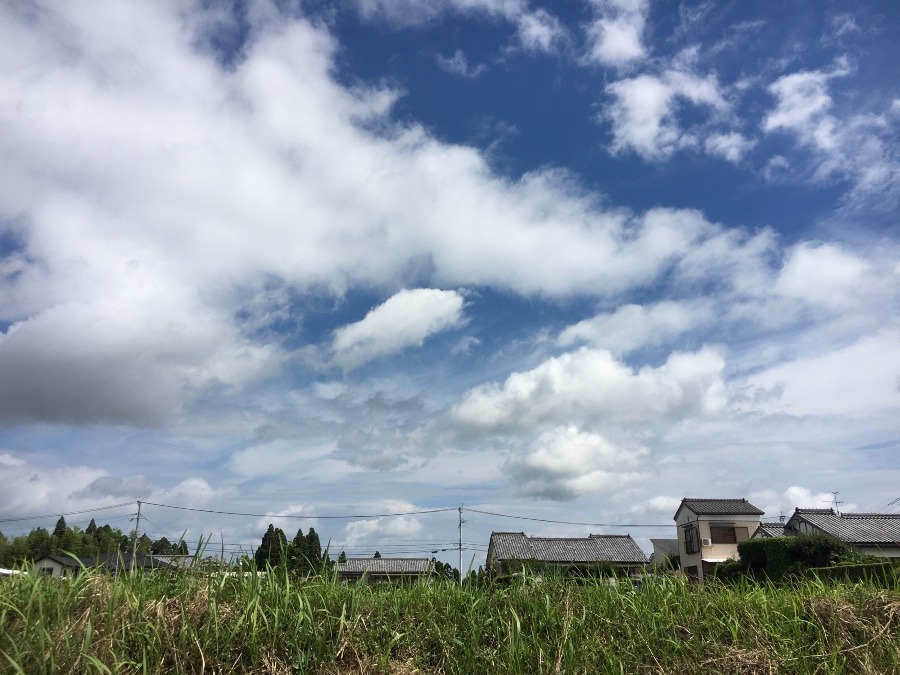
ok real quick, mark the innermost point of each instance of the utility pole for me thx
(461, 521)
(137, 529)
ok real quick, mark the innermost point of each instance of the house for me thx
(769, 530)
(664, 550)
(374, 570)
(709, 531)
(508, 552)
(877, 534)
(66, 566)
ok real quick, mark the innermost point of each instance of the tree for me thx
(60, 530)
(342, 558)
(39, 544)
(297, 552)
(313, 552)
(272, 552)
(6, 559)
(162, 546)
(91, 528)
(377, 555)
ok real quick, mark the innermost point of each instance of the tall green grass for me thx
(182, 623)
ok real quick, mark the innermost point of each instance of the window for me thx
(47, 571)
(691, 539)
(728, 534)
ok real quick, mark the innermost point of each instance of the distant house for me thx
(508, 552)
(664, 550)
(877, 534)
(769, 530)
(709, 531)
(376, 570)
(114, 563)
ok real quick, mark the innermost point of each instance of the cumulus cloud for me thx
(154, 192)
(823, 274)
(404, 320)
(731, 146)
(644, 115)
(540, 31)
(631, 327)
(590, 388)
(565, 463)
(615, 36)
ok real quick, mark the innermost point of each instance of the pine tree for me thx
(342, 558)
(91, 528)
(313, 552)
(59, 532)
(297, 553)
(272, 552)
(377, 555)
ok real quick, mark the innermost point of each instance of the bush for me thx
(776, 558)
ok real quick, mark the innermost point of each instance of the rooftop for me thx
(615, 548)
(719, 507)
(855, 528)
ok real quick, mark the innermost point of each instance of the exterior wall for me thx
(51, 568)
(892, 552)
(692, 563)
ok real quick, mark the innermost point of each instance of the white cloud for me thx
(458, 64)
(643, 112)
(844, 145)
(823, 274)
(540, 31)
(565, 463)
(590, 389)
(859, 379)
(615, 36)
(404, 320)
(631, 327)
(731, 146)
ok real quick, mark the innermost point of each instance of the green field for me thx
(182, 623)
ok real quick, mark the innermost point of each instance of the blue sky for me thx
(562, 261)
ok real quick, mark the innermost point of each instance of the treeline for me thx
(73, 541)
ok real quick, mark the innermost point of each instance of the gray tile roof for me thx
(770, 530)
(719, 507)
(615, 548)
(386, 566)
(665, 546)
(855, 528)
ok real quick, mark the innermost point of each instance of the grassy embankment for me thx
(274, 624)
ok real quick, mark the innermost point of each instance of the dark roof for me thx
(109, 561)
(770, 529)
(665, 546)
(719, 507)
(854, 528)
(386, 566)
(615, 548)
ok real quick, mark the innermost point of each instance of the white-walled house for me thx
(709, 531)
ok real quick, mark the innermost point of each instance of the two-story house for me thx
(709, 531)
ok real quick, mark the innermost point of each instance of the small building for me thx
(709, 531)
(114, 563)
(509, 552)
(377, 570)
(877, 534)
(664, 551)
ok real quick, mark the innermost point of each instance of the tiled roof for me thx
(665, 546)
(615, 548)
(854, 528)
(111, 561)
(386, 566)
(771, 529)
(719, 507)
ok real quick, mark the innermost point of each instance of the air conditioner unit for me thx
(705, 542)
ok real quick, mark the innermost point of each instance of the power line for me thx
(71, 513)
(332, 517)
(566, 522)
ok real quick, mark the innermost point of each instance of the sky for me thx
(321, 263)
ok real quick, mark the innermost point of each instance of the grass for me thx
(181, 623)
